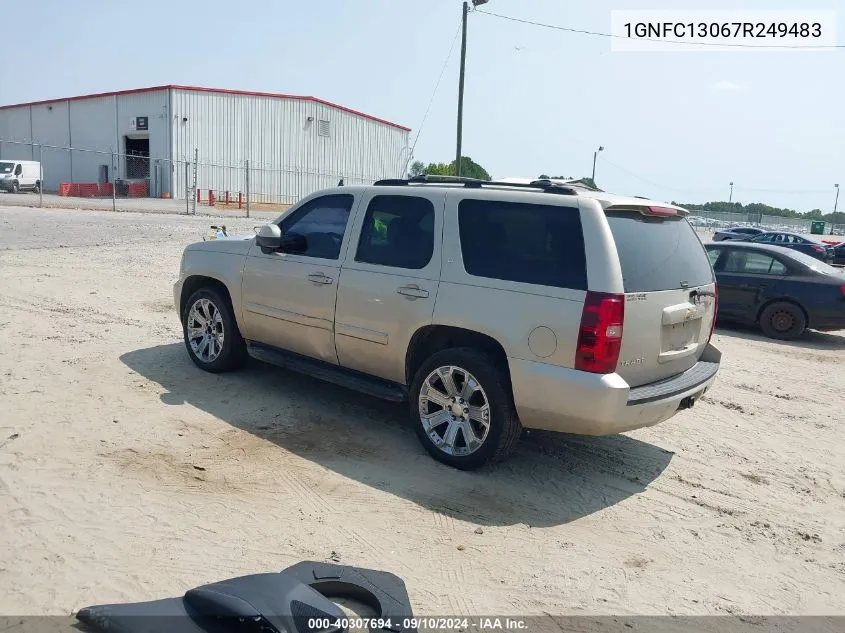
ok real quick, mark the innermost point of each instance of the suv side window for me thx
(526, 243)
(398, 231)
(317, 229)
(753, 263)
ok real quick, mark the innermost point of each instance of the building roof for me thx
(217, 90)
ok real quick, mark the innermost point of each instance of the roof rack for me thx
(546, 186)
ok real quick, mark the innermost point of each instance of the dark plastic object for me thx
(284, 602)
(383, 592)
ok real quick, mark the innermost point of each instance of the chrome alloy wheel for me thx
(454, 411)
(205, 330)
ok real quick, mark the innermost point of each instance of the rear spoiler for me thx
(650, 209)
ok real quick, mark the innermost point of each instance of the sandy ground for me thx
(127, 474)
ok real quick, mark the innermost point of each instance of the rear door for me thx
(744, 278)
(388, 283)
(670, 301)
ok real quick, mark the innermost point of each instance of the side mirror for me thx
(269, 238)
(293, 243)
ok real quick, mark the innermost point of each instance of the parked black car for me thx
(795, 242)
(781, 290)
(736, 233)
(839, 254)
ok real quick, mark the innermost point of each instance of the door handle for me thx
(320, 278)
(413, 292)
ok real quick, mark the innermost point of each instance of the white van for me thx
(20, 175)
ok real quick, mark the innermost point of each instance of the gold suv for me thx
(489, 307)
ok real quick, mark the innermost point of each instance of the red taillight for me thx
(842, 290)
(819, 249)
(600, 336)
(715, 312)
(662, 211)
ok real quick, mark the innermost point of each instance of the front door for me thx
(289, 295)
(389, 280)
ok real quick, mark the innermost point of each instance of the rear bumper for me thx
(828, 320)
(569, 401)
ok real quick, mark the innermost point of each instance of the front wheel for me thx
(211, 334)
(14, 188)
(783, 321)
(462, 409)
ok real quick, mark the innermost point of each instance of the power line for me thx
(434, 94)
(699, 192)
(784, 191)
(650, 182)
(649, 39)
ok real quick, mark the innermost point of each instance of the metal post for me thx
(40, 175)
(113, 183)
(836, 202)
(196, 160)
(731, 199)
(187, 191)
(247, 188)
(461, 91)
(595, 158)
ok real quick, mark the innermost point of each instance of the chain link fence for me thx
(712, 222)
(197, 181)
(194, 180)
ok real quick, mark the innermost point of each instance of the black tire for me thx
(503, 428)
(783, 321)
(14, 188)
(233, 354)
(37, 188)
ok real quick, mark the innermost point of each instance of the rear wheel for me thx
(784, 321)
(211, 334)
(37, 188)
(462, 409)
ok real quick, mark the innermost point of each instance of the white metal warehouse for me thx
(279, 147)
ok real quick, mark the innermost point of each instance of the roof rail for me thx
(474, 183)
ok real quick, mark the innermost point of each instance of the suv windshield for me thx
(6, 168)
(659, 253)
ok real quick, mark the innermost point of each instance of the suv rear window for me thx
(658, 253)
(527, 243)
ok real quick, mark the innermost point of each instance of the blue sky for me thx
(677, 126)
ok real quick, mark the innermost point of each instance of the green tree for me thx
(757, 209)
(417, 168)
(440, 169)
(469, 169)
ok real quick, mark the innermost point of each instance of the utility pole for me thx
(41, 175)
(731, 199)
(595, 158)
(113, 181)
(836, 202)
(465, 11)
